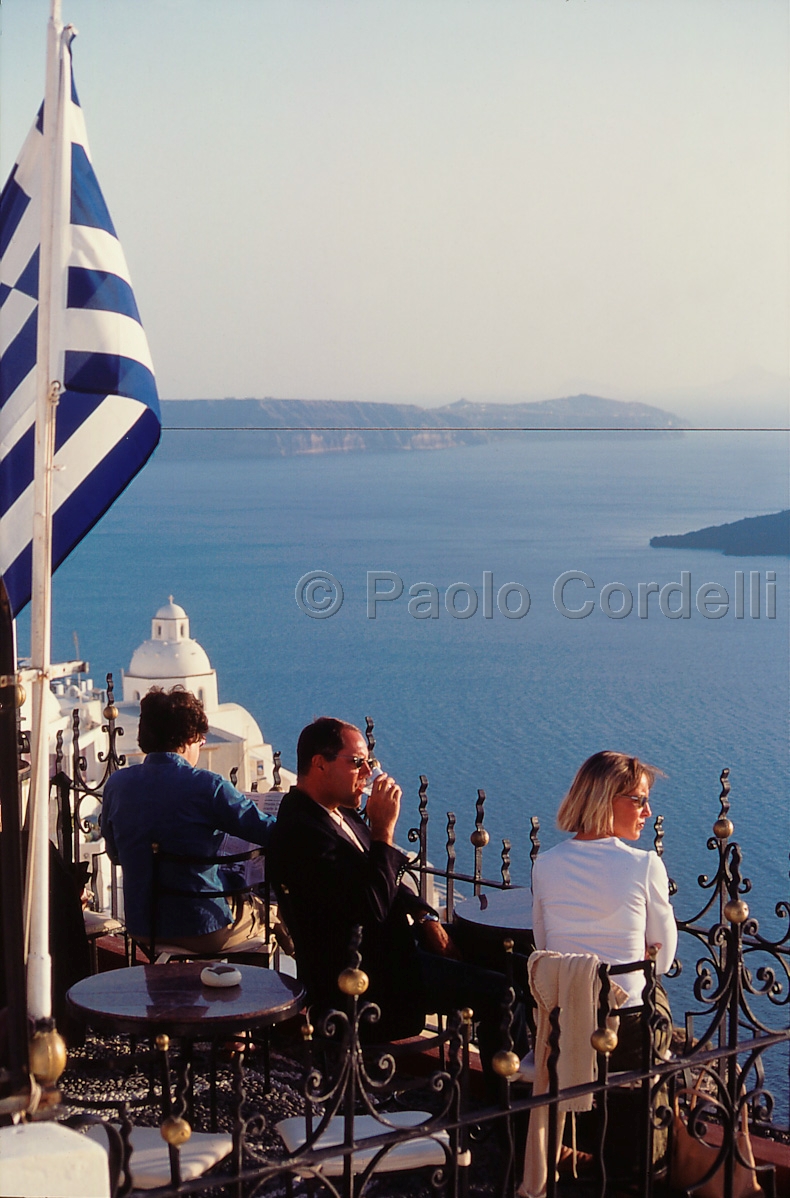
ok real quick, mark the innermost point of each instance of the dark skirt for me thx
(625, 1118)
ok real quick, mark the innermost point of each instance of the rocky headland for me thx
(754, 536)
(287, 427)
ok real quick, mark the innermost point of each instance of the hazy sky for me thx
(428, 199)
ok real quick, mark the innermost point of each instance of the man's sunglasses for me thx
(357, 762)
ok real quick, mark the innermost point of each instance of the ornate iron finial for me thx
(353, 980)
(723, 827)
(479, 837)
(506, 1062)
(79, 785)
(24, 747)
(419, 836)
(736, 910)
(276, 778)
(554, 1056)
(658, 845)
(535, 840)
(534, 829)
(59, 751)
(354, 954)
(112, 759)
(111, 711)
(370, 738)
(423, 799)
(506, 862)
(658, 838)
(67, 829)
(450, 850)
(80, 763)
(175, 1130)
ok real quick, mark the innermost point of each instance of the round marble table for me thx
(171, 998)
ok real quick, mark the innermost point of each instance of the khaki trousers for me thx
(250, 921)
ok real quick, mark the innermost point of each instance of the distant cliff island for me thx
(756, 536)
(307, 426)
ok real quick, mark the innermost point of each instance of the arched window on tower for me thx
(183, 629)
(159, 630)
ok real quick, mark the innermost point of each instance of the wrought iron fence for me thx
(741, 987)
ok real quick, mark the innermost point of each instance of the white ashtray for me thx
(220, 975)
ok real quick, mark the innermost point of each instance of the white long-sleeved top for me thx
(604, 897)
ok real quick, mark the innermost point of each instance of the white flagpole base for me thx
(45, 1160)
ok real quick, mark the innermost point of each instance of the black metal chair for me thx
(159, 950)
(258, 950)
(374, 1098)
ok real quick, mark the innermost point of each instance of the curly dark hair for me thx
(322, 738)
(169, 720)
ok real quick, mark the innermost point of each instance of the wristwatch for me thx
(428, 917)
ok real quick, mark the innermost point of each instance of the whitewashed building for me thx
(171, 657)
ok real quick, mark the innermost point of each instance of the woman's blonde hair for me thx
(587, 807)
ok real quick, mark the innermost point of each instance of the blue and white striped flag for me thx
(107, 422)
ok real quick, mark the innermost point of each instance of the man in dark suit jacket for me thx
(332, 870)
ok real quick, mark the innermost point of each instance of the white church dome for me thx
(169, 659)
(170, 611)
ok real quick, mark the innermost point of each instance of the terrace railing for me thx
(739, 988)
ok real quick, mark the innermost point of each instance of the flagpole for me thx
(39, 965)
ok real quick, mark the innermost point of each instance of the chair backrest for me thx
(640, 1020)
(160, 856)
(645, 1029)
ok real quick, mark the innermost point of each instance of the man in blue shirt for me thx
(170, 802)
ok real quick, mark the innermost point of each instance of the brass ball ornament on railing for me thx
(604, 1040)
(723, 828)
(353, 981)
(162, 1042)
(479, 838)
(47, 1056)
(736, 910)
(111, 712)
(175, 1131)
(505, 1063)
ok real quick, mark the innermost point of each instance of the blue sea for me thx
(509, 705)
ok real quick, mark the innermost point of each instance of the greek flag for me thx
(107, 421)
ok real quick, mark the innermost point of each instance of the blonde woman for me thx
(597, 893)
